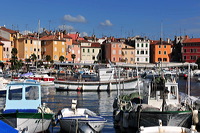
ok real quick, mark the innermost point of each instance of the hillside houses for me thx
(97, 50)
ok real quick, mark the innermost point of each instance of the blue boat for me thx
(23, 109)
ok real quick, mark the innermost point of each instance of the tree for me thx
(48, 58)
(13, 58)
(61, 58)
(33, 57)
(73, 56)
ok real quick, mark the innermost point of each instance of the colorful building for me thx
(6, 49)
(128, 54)
(160, 51)
(190, 49)
(26, 46)
(53, 46)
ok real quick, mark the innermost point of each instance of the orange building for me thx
(112, 51)
(160, 51)
(53, 46)
(69, 47)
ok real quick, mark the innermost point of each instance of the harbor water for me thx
(99, 102)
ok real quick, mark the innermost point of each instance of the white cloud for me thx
(79, 18)
(66, 27)
(106, 23)
(25, 32)
(82, 34)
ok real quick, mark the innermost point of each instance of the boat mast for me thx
(37, 44)
(188, 87)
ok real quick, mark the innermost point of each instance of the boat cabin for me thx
(154, 94)
(23, 96)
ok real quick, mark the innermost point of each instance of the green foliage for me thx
(61, 58)
(73, 56)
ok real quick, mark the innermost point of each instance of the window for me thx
(159, 46)
(165, 52)
(184, 50)
(191, 50)
(120, 45)
(125, 52)
(142, 45)
(131, 59)
(26, 41)
(146, 44)
(114, 52)
(7, 49)
(159, 52)
(93, 57)
(113, 58)
(34, 49)
(146, 52)
(184, 57)
(195, 50)
(63, 50)
(92, 50)
(164, 59)
(88, 50)
(120, 52)
(142, 52)
(159, 59)
(55, 42)
(146, 59)
(31, 41)
(55, 49)
(113, 45)
(138, 45)
(83, 50)
(4, 49)
(138, 59)
(63, 43)
(164, 46)
(15, 94)
(131, 52)
(138, 52)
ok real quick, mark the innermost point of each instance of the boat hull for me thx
(30, 122)
(151, 118)
(84, 125)
(126, 84)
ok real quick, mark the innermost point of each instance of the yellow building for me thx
(128, 54)
(54, 46)
(1, 51)
(26, 46)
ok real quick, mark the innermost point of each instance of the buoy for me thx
(79, 88)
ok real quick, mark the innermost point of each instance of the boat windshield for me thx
(31, 93)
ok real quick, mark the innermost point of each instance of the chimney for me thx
(61, 35)
(58, 35)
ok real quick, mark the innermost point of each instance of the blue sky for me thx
(118, 18)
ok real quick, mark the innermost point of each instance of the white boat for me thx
(106, 82)
(159, 101)
(44, 79)
(167, 129)
(3, 84)
(23, 108)
(75, 120)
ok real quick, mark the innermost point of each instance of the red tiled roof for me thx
(192, 40)
(66, 36)
(1, 43)
(51, 37)
(75, 42)
(96, 45)
(3, 39)
(156, 42)
(8, 30)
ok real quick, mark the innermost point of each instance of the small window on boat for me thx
(108, 71)
(15, 93)
(32, 93)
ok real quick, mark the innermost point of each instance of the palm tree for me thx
(48, 58)
(61, 58)
(33, 57)
(73, 56)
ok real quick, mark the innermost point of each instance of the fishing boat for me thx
(159, 101)
(106, 82)
(23, 108)
(75, 120)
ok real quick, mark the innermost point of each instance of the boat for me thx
(167, 129)
(24, 110)
(5, 128)
(3, 84)
(105, 82)
(75, 120)
(159, 101)
(44, 79)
